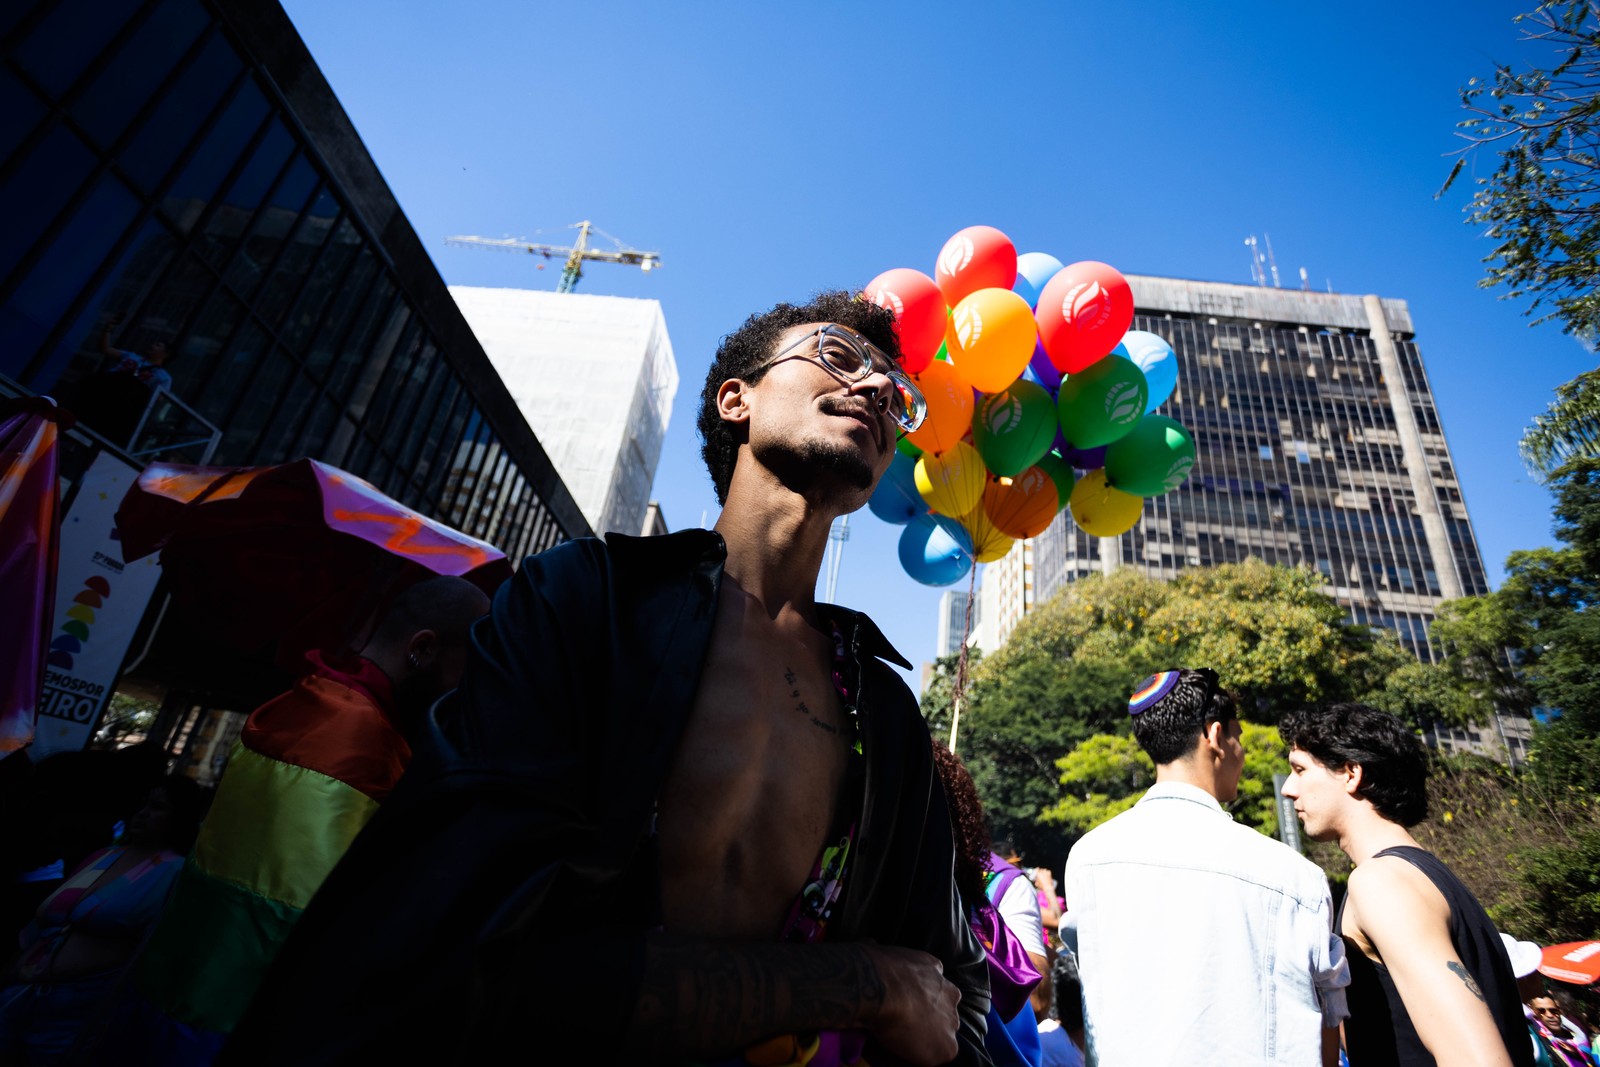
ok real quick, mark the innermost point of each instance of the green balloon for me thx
(1060, 472)
(906, 448)
(1152, 458)
(943, 353)
(1102, 402)
(1014, 427)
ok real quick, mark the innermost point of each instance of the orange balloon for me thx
(951, 483)
(1023, 506)
(995, 334)
(949, 407)
(988, 542)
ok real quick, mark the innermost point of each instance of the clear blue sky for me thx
(768, 151)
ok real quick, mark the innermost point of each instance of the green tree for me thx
(1108, 773)
(1541, 204)
(1064, 674)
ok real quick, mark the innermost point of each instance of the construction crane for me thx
(580, 251)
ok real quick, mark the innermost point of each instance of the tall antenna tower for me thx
(838, 534)
(1271, 260)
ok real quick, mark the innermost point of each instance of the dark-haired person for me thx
(86, 932)
(677, 811)
(1199, 939)
(1430, 981)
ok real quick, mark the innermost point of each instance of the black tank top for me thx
(1379, 1032)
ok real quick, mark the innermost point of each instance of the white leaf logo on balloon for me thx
(1029, 481)
(1123, 403)
(1086, 306)
(1178, 472)
(1003, 414)
(887, 298)
(957, 254)
(969, 327)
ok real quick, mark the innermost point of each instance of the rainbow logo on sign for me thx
(80, 617)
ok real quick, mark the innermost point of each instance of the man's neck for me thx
(1368, 833)
(1189, 771)
(775, 540)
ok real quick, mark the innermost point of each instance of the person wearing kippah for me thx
(1198, 939)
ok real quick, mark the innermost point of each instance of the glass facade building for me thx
(180, 172)
(1317, 443)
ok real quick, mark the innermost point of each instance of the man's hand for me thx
(918, 1020)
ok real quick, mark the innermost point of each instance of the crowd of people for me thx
(655, 803)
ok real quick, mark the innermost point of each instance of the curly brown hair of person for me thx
(967, 824)
(743, 354)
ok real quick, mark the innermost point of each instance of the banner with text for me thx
(99, 602)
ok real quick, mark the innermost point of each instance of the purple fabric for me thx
(1012, 974)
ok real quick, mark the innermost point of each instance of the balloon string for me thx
(959, 691)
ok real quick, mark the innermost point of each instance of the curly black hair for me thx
(1394, 765)
(744, 351)
(1169, 729)
(968, 826)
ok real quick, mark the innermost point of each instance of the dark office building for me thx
(181, 169)
(177, 175)
(1318, 444)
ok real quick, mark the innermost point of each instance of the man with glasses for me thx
(677, 811)
(1198, 939)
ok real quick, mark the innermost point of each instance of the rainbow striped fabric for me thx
(308, 772)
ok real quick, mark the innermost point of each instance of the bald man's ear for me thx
(733, 402)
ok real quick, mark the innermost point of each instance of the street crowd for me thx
(654, 803)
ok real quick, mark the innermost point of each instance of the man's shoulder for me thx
(1271, 856)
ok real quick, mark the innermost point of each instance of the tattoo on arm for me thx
(1466, 978)
(716, 999)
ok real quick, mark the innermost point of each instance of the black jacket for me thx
(503, 891)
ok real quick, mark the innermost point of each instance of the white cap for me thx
(1525, 955)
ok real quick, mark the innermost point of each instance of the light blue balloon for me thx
(896, 499)
(1033, 270)
(935, 550)
(1158, 361)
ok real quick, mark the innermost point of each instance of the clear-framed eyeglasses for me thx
(851, 358)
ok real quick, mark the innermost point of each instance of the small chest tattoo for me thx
(800, 705)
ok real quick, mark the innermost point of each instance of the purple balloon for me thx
(1043, 369)
(1085, 459)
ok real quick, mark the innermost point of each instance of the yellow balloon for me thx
(993, 333)
(952, 481)
(1102, 511)
(988, 542)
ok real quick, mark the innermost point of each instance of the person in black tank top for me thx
(1429, 978)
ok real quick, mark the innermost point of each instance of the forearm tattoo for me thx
(717, 999)
(1466, 978)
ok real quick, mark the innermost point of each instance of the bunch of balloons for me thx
(1030, 372)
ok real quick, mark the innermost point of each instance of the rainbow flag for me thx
(30, 518)
(308, 772)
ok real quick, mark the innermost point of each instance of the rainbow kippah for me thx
(1151, 690)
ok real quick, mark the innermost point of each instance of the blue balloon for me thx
(1033, 270)
(935, 550)
(896, 499)
(1158, 361)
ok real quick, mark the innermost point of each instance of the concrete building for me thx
(1005, 595)
(1318, 444)
(595, 377)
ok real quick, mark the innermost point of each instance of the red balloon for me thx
(979, 257)
(1083, 312)
(919, 313)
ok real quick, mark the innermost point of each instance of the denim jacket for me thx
(1200, 940)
